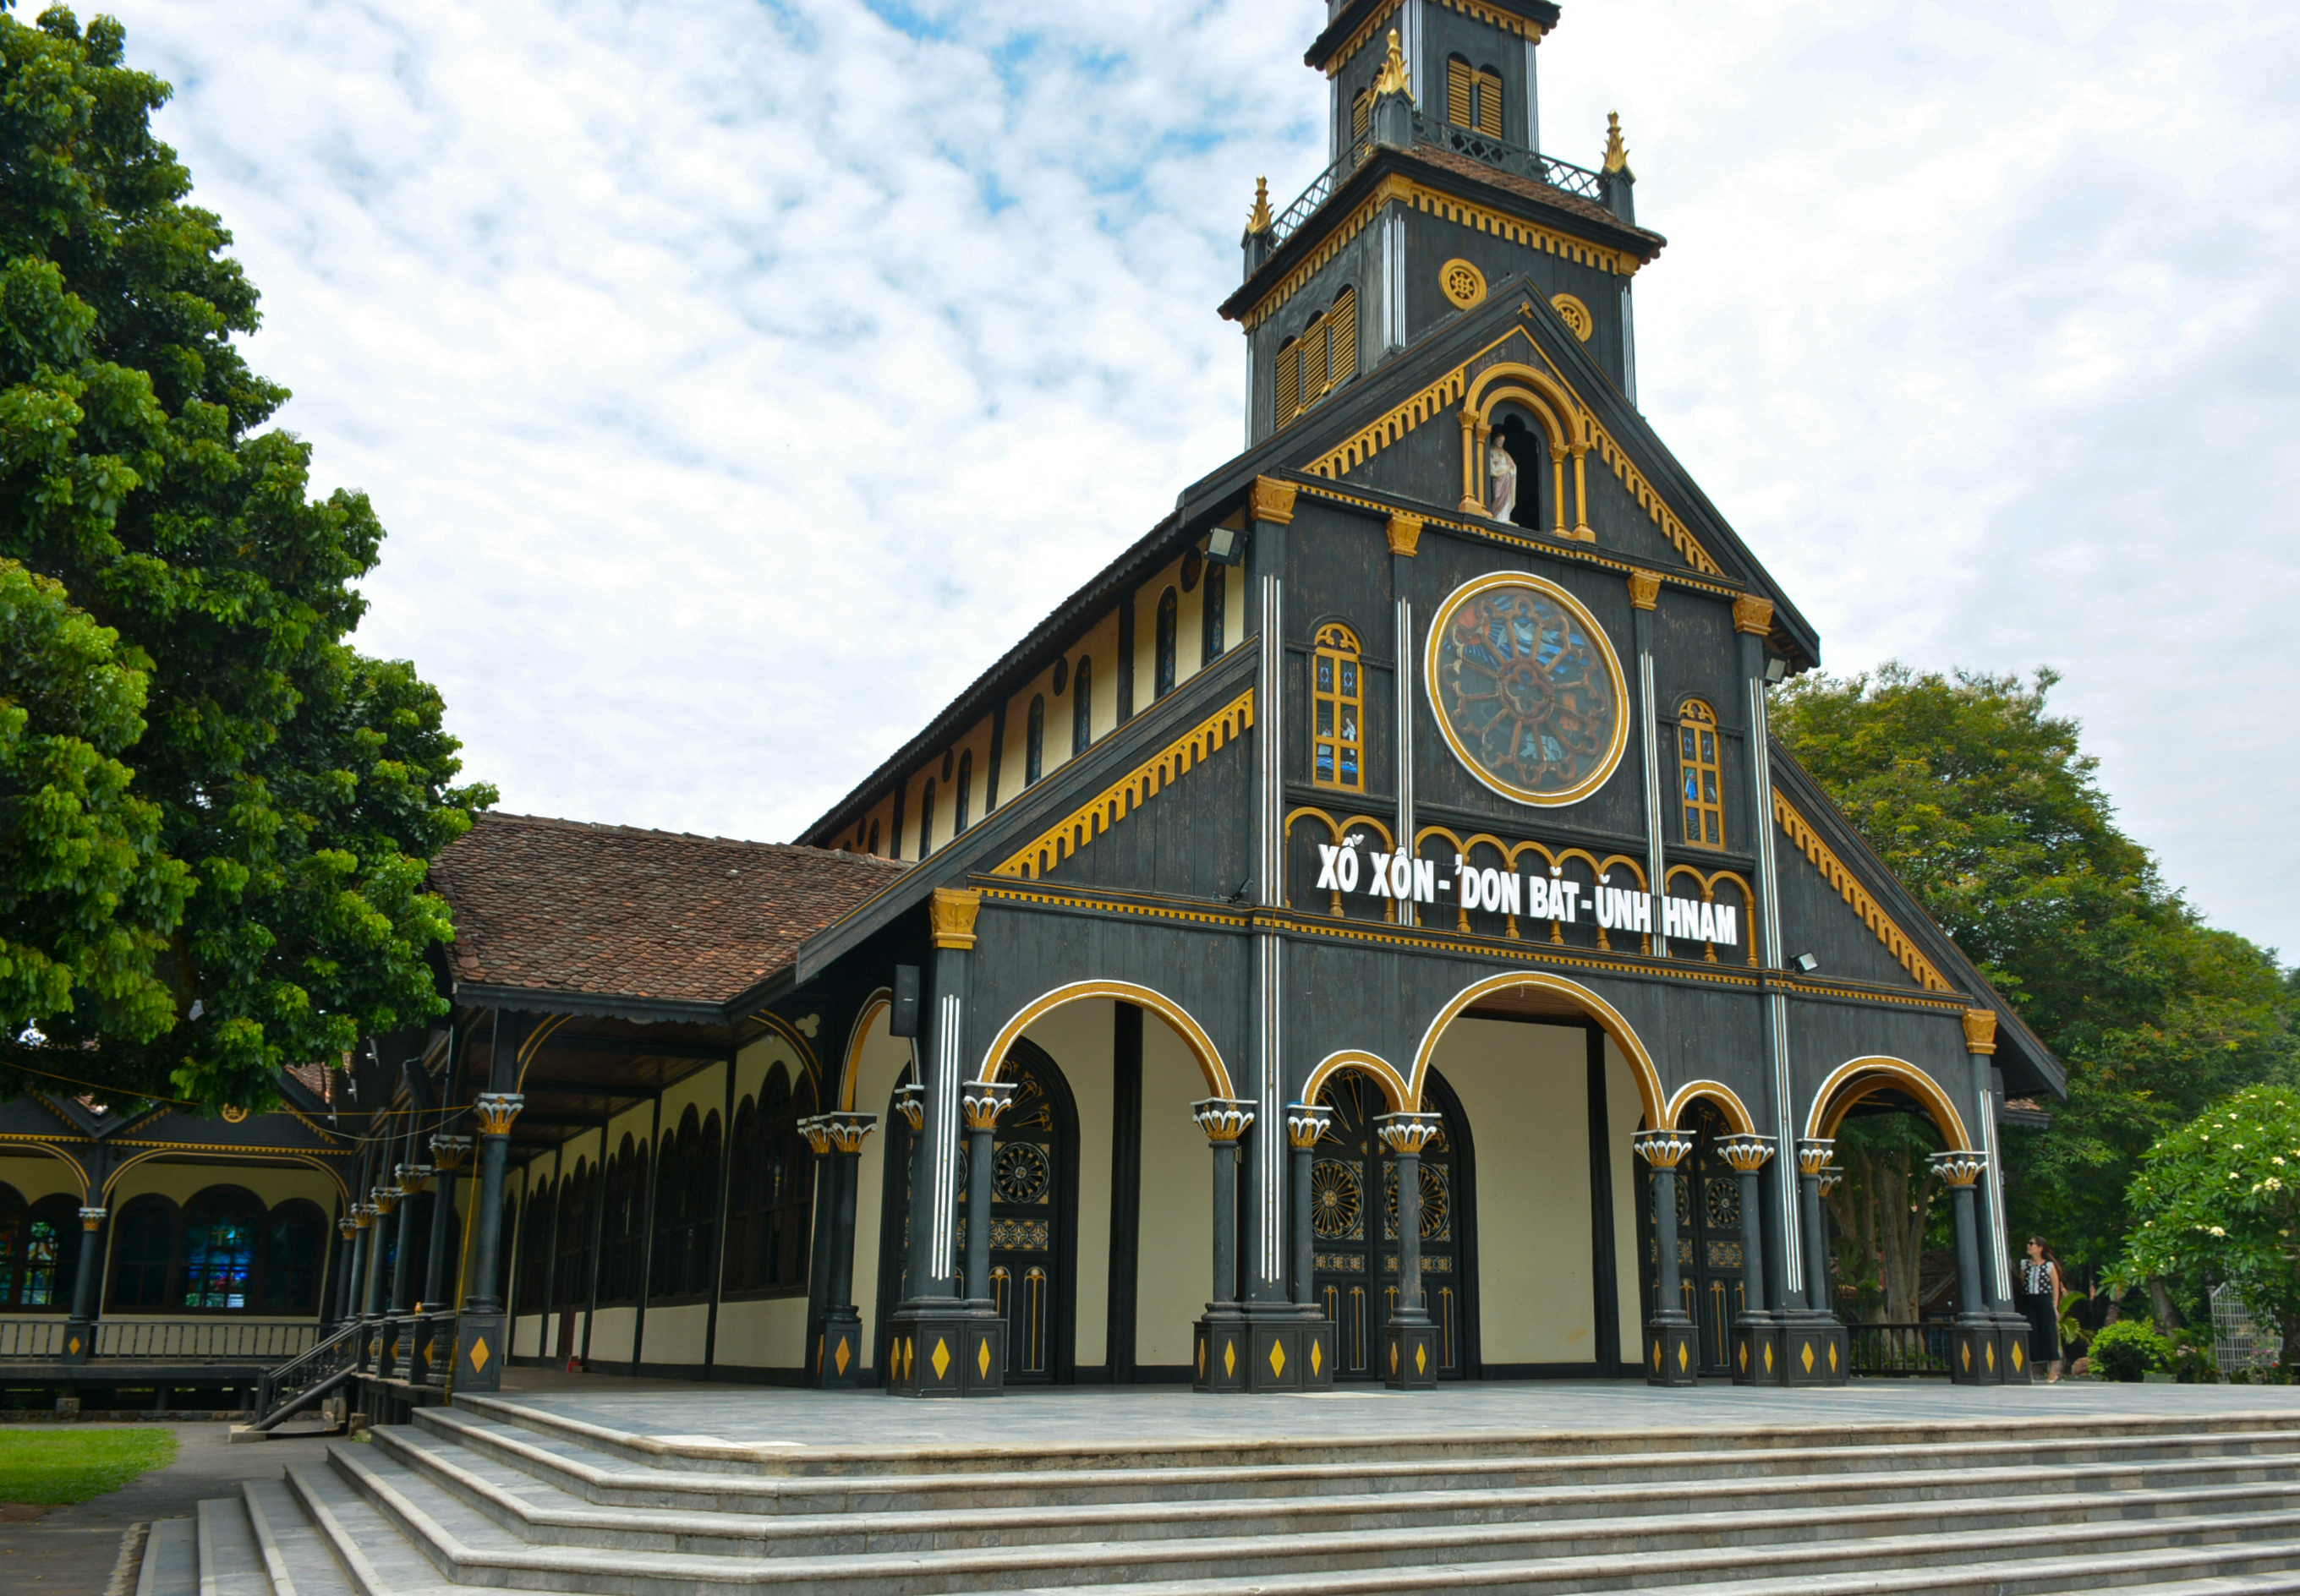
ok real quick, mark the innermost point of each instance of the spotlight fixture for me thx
(1777, 669)
(1806, 962)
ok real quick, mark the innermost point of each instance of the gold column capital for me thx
(1306, 1123)
(817, 1139)
(950, 915)
(911, 1103)
(91, 1218)
(497, 1110)
(449, 1153)
(1407, 1132)
(1406, 533)
(1981, 1030)
(1813, 1157)
(1958, 1168)
(1664, 1149)
(981, 1103)
(847, 1130)
(1752, 614)
(1644, 589)
(1272, 500)
(1747, 1154)
(1222, 1119)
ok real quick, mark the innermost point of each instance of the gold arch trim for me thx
(1339, 829)
(1395, 1087)
(252, 1156)
(532, 1045)
(799, 1045)
(12, 1143)
(1851, 1085)
(858, 1036)
(1873, 914)
(1608, 1018)
(1443, 615)
(1737, 1113)
(1178, 1018)
(1708, 883)
(1135, 788)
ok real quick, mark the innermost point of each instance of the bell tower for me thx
(1438, 190)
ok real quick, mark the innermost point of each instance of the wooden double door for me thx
(1710, 1244)
(1354, 1232)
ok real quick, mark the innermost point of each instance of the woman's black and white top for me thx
(2037, 1277)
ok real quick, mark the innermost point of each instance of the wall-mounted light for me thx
(1226, 542)
(1806, 962)
(1777, 669)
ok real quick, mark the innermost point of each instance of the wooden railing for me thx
(201, 1338)
(1899, 1349)
(32, 1338)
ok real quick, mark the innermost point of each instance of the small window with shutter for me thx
(1360, 116)
(1490, 103)
(1461, 93)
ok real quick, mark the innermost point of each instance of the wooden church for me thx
(1366, 933)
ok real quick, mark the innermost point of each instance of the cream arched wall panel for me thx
(1525, 1090)
(881, 1059)
(1079, 1037)
(769, 1333)
(1175, 1274)
(1626, 1098)
(42, 1176)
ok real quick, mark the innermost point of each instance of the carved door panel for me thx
(1026, 1160)
(1353, 1245)
(1711, 1287)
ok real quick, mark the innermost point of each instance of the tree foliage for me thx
(2218, 1200)
(1983, 802)
(284, 790)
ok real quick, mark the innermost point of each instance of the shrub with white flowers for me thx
(2216, 1201)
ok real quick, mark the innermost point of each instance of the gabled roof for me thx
(1358, 15)
(561, 909)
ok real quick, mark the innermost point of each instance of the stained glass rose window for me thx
(1527, 689)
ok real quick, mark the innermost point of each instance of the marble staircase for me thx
(493, 1493)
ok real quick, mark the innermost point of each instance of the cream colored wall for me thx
(40, 1175)
(1101, 642)
(1078, 1038)
(1627, 1114)
(1175, 1268)
(611, 1335)
(883, 1059)
(273, 1183)
(1526, 1088)
(767, 1334)
(675, 1335)
(704, 1091)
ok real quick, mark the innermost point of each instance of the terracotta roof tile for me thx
(559, 906)
(1469, 166)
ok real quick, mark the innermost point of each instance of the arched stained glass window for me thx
(965, 791)
(1082, 706)
(1700, 775)
(221, 1226)
(1169, 624)
(1338, 710)
(1034, 760)
(1212, 616)
(39, 1249)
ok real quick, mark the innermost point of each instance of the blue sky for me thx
(736, 379)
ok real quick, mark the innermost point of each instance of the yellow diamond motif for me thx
(1745, 1357)
(843, 1355)
(1230, 1357)
(1832, 1358)
(480, 1353)
(1965, 1352)
(941, 1359)
(1769, 1358)
(1988, 1351)
(1656, 1356)
(73, 1346)
(1683, 1353)
(2017, 1358)
(982, 1358)
(1393, 1358)
(1808, 1358)
(1421, 1358)
(1201, 1359)
(1277, 1359)
(1317, 1355)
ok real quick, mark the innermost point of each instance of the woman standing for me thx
(2041, 1292)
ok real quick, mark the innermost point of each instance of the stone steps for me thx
(492, 1495)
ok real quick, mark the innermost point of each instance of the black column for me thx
(1305, 1124)
(448, 1155)
(1125, 1187)
(1757, 1346)
(479, 1330)
(1409, 1342)
(645, 1282)
(1605, 1267)
(1673, 1352)
(1974, 1358)
(1224, 1359)
(1817, 1350)
(79, 1335)
(840, 1338)
(982, 1103)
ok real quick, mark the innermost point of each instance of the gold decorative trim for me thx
(1650, 500)
(1644, 589)
(1405, 535)
(1122, 798)
(1588, 784)
(1752, 614)
(1829, 1108)
(1185, 1025)
(1427, 405)
(1272, 500)
(1872, 913)
(1981, 1030)
(1463, 283)
(1617, 154)
(1366, 29)
(1258, 220)
(1393, 78)
(1576, 316)
(950, 916)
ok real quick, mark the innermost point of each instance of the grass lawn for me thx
(57, 1467)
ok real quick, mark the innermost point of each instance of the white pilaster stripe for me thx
(1768, 931)
(1409, 913)
(1653, 861)
(941, 1123)
(2000, 1268)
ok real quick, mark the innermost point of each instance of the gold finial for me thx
(1260, 222)
(1617, 154)
(1392, 81)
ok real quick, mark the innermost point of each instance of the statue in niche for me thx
(1501, 468)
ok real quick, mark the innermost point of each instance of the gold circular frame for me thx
(1461, 283)
(1575, 315)
(1619, 742)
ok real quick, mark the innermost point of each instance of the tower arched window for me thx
(1338, 710)
(872, 845)
(926, 819)
(1318, 360)
(1212, 617)
(1473, 97)
(1360, 116)
(1700, 775)
(965, 791)
(1034, 756)
(1082, 706)
(1169, 608)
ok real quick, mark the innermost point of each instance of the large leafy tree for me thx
(1983, 802)
(2218, 1200)
(255, 800)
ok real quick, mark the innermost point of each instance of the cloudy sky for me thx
(737, 378)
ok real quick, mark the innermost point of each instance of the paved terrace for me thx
(752, 1415)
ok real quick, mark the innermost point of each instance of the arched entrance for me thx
(1354, 1247)
(1711, 1243)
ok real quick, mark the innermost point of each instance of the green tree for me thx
(301, 786)
(1983, 802)
(2218, 1199)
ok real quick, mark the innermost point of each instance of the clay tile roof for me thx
(558, 906)
(1467, 166)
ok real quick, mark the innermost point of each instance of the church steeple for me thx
(1437, 189)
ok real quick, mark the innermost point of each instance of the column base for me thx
(1672, 1353)
(387, 1350)
(79, 1341)
(1221, 1352)
(1759, 1353)
(2013, 1332)
(1976, 1353)
(1815, 1352)
(1293, 1353)
(1408, 1357)
(478, 1351)
(839, 1350)
(947, 1354)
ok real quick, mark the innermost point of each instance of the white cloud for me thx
(736, 379)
